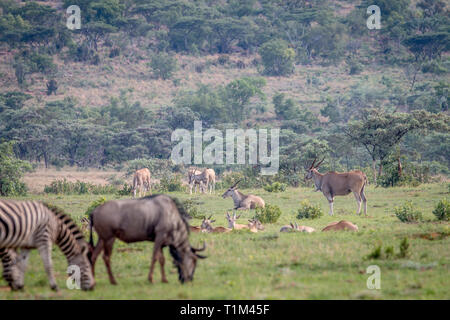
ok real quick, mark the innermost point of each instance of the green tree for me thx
(163, 65)
(11, 171)
(277, 58)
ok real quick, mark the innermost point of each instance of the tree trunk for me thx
(374, 170)
(380, 169)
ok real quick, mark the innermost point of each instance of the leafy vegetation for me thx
(442, 210)
(309, 211)
(276, 187)
(268, 214)
(407, 213)
(11, 171)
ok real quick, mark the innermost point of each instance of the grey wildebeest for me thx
(242, 201)
(141, 180)
(339, 184)
(156, 218)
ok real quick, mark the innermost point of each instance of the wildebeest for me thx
(141, 180)
(341, 225)
(156, 218)
(207, 226)
(339, 184)
(242, 201)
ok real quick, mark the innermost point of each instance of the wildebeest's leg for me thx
(107, 258)
(161, 265)
(157, 251)
(358, 200)
(364, 199)
(96, 252)
(45, 249)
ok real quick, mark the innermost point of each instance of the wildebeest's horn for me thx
(200, 249)
(317, 165)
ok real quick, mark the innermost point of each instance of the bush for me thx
(78, 187)
(11, 171)
(309, 211)
(269, 214)
(171, 184)
(192, 209)
(355, 68)
(163, 65)
(125, 191)
(277, 58)
(406, 213)
(94, 204)
(276, 187)
(442, 210)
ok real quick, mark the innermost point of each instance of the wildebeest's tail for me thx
(91, 225)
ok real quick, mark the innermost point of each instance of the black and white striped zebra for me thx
(27, 225)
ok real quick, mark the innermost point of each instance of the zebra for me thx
(27, 225)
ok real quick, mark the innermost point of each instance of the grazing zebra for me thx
(27, 225)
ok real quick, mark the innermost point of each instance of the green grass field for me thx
(273, 265)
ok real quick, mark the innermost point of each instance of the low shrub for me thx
(126, 190)
(94, 204)
(269, 214)
(276, 187)
(442, 210)
(78, 187)
(309, 211)
(171, 184)
(407, 213)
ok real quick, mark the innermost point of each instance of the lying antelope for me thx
(141, 180)
(296, 227)
(242, 201)
(254, 225)
(232, 222)
(207, 226)
(341, 225)
(339, 184)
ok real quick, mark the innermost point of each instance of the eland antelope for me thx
(341, 225)
(242, 201)
(141, 180)
(339, 184)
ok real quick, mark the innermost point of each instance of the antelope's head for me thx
(256, 224)
(232, 219)
(207, 223)
(230, 190)
(312, 169)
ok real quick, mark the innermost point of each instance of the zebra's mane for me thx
(66, 222)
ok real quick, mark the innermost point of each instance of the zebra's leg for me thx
(10, 270)
(45, 250)
(22, 263)
(107, 259)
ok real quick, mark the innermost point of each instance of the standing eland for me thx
(339, 184)
(141, 180)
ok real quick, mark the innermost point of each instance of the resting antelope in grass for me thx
(339, 184)
(207, 226)
(341, 225)
(295, 227)
(242, 201)
(141, 180)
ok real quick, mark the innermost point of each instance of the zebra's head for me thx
(85, 274)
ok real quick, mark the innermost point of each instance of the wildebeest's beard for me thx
(185, 264)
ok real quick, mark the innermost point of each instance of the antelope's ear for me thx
(238, 216)
(213, 221)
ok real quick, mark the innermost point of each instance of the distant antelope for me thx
(341, 225)
(339, 184)
(242, 201)
(207, 226)
(141, 180)
(205, 178)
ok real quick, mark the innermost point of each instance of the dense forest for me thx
(373, 99)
